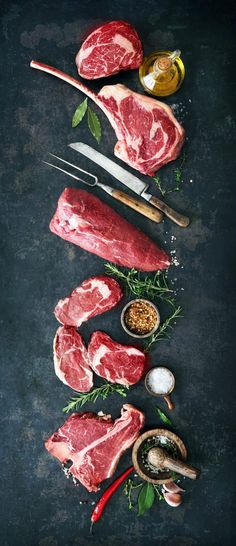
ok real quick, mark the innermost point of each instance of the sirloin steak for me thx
(94, 443)
(117, 363)
(109, 49)
(149, 136)
(86, 221)
(93, 297)
(71, 360)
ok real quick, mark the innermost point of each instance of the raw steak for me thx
(117, 363)
(149, 136)
(85, 220)
(111, 48)
(94, 443)
(93, 297)
(71, 360)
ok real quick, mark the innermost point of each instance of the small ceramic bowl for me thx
(165, 395)
(122, 318)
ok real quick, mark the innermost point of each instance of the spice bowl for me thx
(138, 315)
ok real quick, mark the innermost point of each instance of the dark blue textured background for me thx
(40, 507)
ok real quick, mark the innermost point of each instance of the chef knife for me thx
(130, 180)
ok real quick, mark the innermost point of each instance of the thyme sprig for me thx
(129, 489)
(103, 391)
(178, 175)
(164, 330)
(151, 286)
(146, 495)
(157, 180)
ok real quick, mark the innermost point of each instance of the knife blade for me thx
(130, 180)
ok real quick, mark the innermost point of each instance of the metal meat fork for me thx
(131, 202)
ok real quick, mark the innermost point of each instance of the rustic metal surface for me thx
(40, 507)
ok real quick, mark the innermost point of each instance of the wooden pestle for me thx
(159, 458)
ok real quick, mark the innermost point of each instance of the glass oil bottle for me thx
(162, 73)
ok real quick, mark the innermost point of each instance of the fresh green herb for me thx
(163, 416)
(104, 391)
(157, 180)
(159, 492)
(146, 498)
(150, 286)
(178, 178)
(94, 124)
(79, 113)
(129, 489)
(163, 331)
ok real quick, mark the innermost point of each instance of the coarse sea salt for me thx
(160, 380)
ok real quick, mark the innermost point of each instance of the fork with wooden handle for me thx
(143, 208)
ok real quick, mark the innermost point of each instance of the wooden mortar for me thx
(160, 455)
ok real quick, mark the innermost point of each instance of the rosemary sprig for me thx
(104, 391)
(151, 286)
(163, 331)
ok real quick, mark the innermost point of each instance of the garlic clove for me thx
(172, 487)
(173, 499)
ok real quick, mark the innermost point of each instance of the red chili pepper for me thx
(98, 510)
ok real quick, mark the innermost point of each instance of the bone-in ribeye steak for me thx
(86, 221)
(109, 49)
(94, 443)
(93, 297)
(115, 362)
(149, 136)
(71, 359)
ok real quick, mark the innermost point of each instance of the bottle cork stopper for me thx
(163, 63)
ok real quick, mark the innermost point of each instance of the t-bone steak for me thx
(93, 297)
(109, 49)
(71, 360)
(115, 362)
(93, 444)
(149, 136)
(86, 221)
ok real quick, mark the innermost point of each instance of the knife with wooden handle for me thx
(131, 181)
(131, 202)
(151, 213)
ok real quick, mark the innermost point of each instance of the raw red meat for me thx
(94, 443)
(93, 297)
(71, 360)
(111, 48)
(117, 363)
(149, 136)
(86, 221)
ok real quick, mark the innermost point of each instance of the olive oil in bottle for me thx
(162, 73)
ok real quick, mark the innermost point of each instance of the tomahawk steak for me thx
(85, 220)
(109, 49)
(115, 362)
(94, 443)
(149, 136)
(71, 359)
(93, 297)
